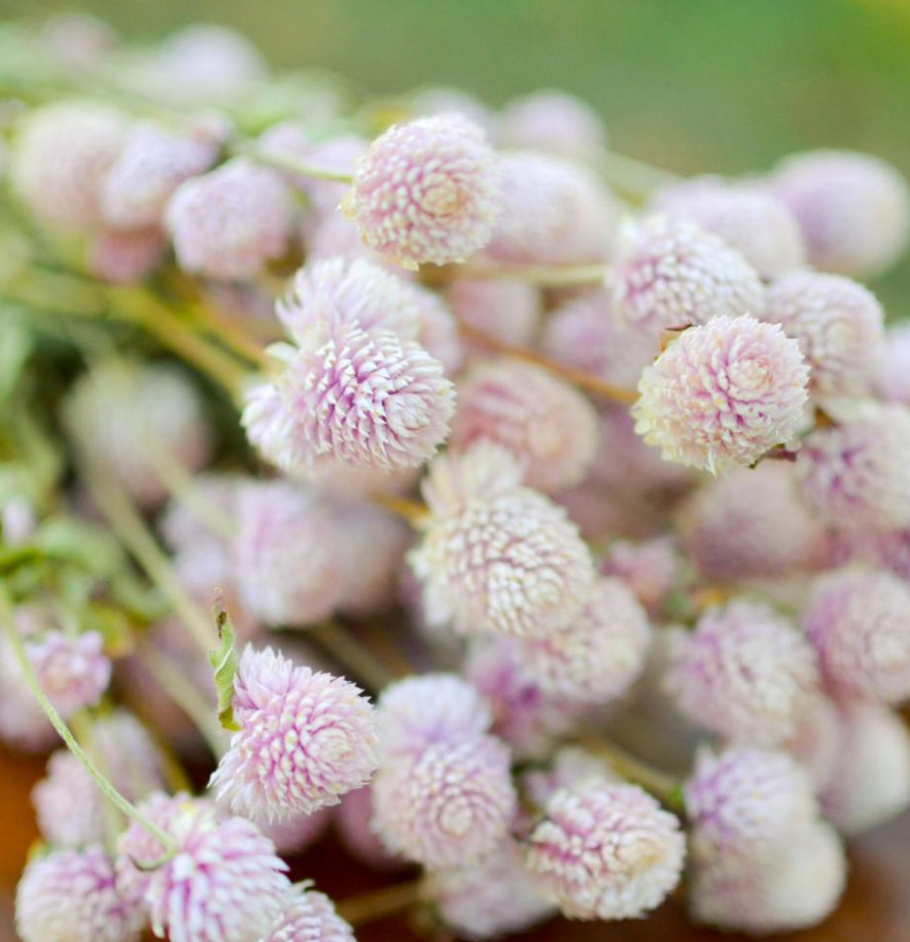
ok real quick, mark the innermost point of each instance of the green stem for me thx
(660, 784)
(111, 793)
(389, 901)
(336, 641)
(632, 177)
(544, 276)
(293, 164)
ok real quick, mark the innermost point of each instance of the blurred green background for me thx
(693, 85)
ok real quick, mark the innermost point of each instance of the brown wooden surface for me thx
(876, 907)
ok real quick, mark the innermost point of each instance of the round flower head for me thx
(23, 724)
(857, 474)
(508, 561)
(508, 310)
(747, 802)
(447, 99)
(427, 191)
(606, 851)
(751, 524)
(816, 742)
(723, 394)
(745, 673)
(125, 258)
(546, 423)
(555, 212)
(570, 767)
(229, 223)
(651, 569)
(78, 41)
(309, 916)
(354, 826)
(839, 326)
(225, 884)
(151, 165)
(448, 805)
(129, 418)
(670, 273)
(287, 554)
(73, 671)
(854, 209)
(600, 655)
(418, 711)
(59, 162)
(554, 121)
(870, 783)
(753, 222)
(859, 623)
(305, 739)
(495, 897)
(72, 896)
(892, 379)
(792, 890)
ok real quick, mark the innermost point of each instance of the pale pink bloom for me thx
(570, 767)
(309, 916)
(305, 739)
(892, 379)
(723, 394)
(124, 258)
(546, 423)
(78, 41)
(427, 191)
(651, 569)
(354, 824)
(23, 724)
(72, 670)
(854, 209)
(508, 310)
(817, 740)
(72, 896)
(555, 121)
(606, 851)
(444, 99)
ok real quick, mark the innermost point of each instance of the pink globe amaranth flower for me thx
(859, 623)
(546, 423)
(723, 394)
(419, 711)
(854, 209)
(485, 471)
(586, 335)
(752, 524)
(606, 851)
(870, 782)
(445, 99)
(124, 258)
(309, 916)
(570, 767)
(427, 191)
(335, 235)
(752, 222)
(354, 826)
(670, 273)
(508, 562)
(287, 555)
(892, 378)
(23, 724)
(225, 883)
(151, 165)
(527, 718)
(73, 670)
(651, 569)
(750, 803)
(600, 655)
(745, 673)
(60, 159)
(495, 897)
(508, 310)
(816, 742)
(305, 739)
(555, 212)
(130, 417)
(792, 890)
(857, 474)
(227, 224)
(552, 120)
(72, 896)
(448, 805)
(839, 325)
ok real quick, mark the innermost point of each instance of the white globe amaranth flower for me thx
(555, 121)
(892, 378)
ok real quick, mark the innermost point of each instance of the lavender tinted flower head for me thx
(747, 802)
(745, 673)
(549, 426)
(225, 884)
(606, 851)
(670, 273)
(354, 827)
(72, 896)
(892, 379)
(449, 804)
(555, 121)
(125, 257)
(509, 562)
(723, 394)
(507, 310)
(227, 224)
(73, 671)
(854, 209)
(571, 767)
(305, 739)
(859, 623)
(555, 212)
(650, 569)
(23, 724)
(857, 474)
(427, 191)
(309, 916)
(839, 326)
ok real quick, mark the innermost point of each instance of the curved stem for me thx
(544, 276)
(293, 164)
(388, 901)
(336, 641)
(111, 793)
(634, 178)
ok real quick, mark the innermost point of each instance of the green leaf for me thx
(224, 662)
(17, 346)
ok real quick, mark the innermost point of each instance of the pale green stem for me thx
(293, 165)
(389, 901)
(351, 655)
(633, 177)
(82, 727)
(544, 276)
(107, 789)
